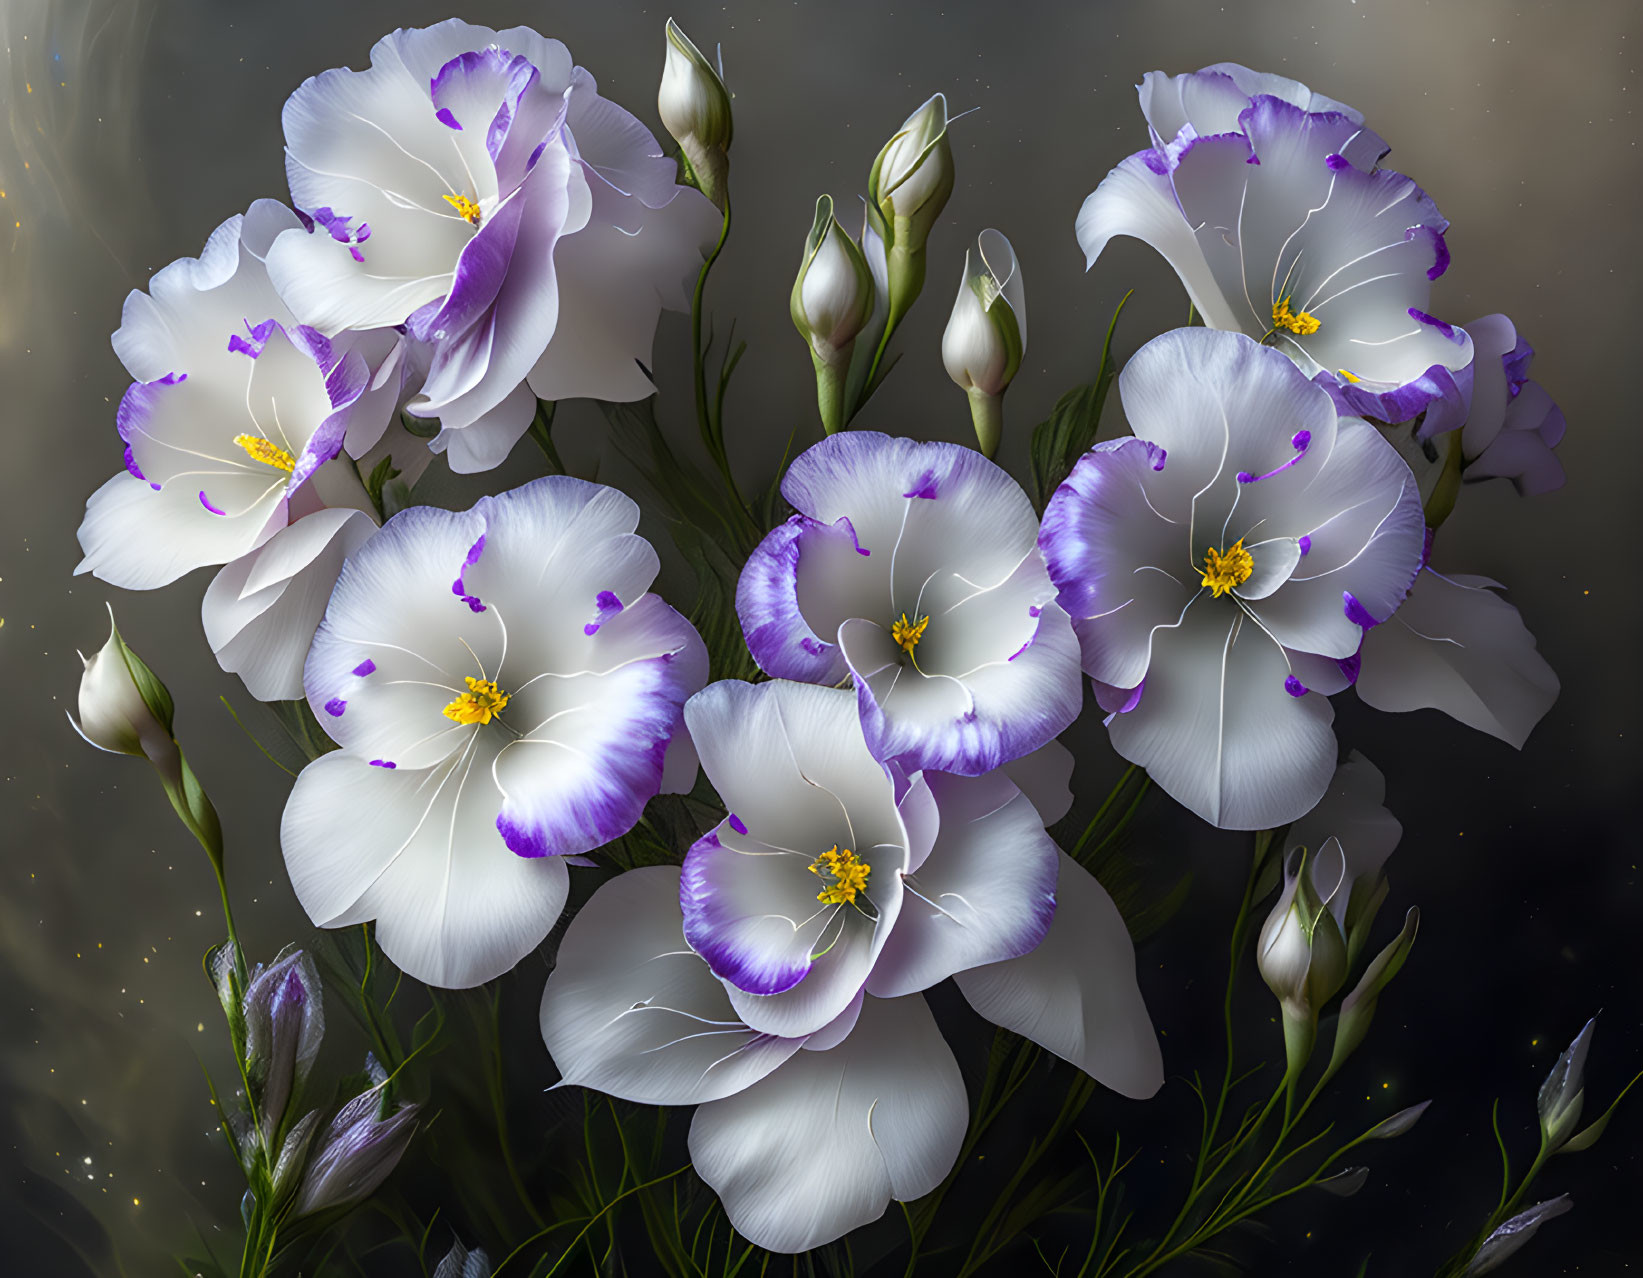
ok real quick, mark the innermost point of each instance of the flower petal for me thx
(1218, 730)
(1456, 646)
(629, 1010)
(822, 1145)
(454, 907)
(1075, 994)
(261, 611)
(986, 892)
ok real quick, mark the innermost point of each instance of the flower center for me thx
(908, 633)
(848, 875)
(1222, 572)
(1282, 317)
(466, 208)
(266, 451)
(481, 703)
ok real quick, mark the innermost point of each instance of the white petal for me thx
(615, 276)
(823, 1144)
(419, 852)
(1045, 777)
(260, 612)
(631, 1011)
(1218, 730)
(141, 539)
(1458, 647)
(1354, 813)
(986, 892)
(1076, 993)
(1134, 200)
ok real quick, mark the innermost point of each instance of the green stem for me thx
(541, 431)
(830, 379)
(712, 431)
(987, 416)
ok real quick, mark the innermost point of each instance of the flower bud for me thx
(1302, 957)
(1344, 1183)
(1505, 1241)
(906, 191)
(1398, 1124)
(986, 334)
(1358, 1007)
(831, 303)
(124, 709)
(356, 1153)
(459, 1262)
(913, 175)
(695, 109)
(1563, 1094)
(284, 1024)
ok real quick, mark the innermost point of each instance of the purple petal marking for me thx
(1299, 441)
(384, 763)
(1356, 613)
(338, 228)
(1304, 543)
(736, 823)
(131, 465)
(1160, 455)
(1337, 162)
(335, 706)
(1295, 687)
(1033, 610)
(536, 155)
(444, 116)
(850, 528)
(366, 667)
(815, 647)
(206, 502)
(1440, 248)
(1426, 548)
(608, 602)
(1516, 363)
(1448, 330)
(591, 629)
(461, 591)
(924, 486)
(259, 338)
(1350, 666)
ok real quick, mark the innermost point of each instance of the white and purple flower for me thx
(774, 981)
(472, 187)
(912, 567)
(235, 412)
(505, 693)
(1221, 567)
(1514, 426)
(1267, 201)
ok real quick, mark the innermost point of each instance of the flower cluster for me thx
(497, 693)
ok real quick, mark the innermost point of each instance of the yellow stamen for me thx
(1350, 376)
(480, 704)
(1222, 572)
(908, 633)
(848, 874)
(1282, 317)
(266, 451)
(464, 207)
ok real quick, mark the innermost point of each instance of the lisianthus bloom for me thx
(1456, 645)
(1222, 564)
(1513, 426)
(1273, 213)
(504, 692)
(235, 412)
(913, 568)
(775, 980)
(472, 186)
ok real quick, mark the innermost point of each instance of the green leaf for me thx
(1072, 425)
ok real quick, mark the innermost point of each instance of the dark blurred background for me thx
(133, 127)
